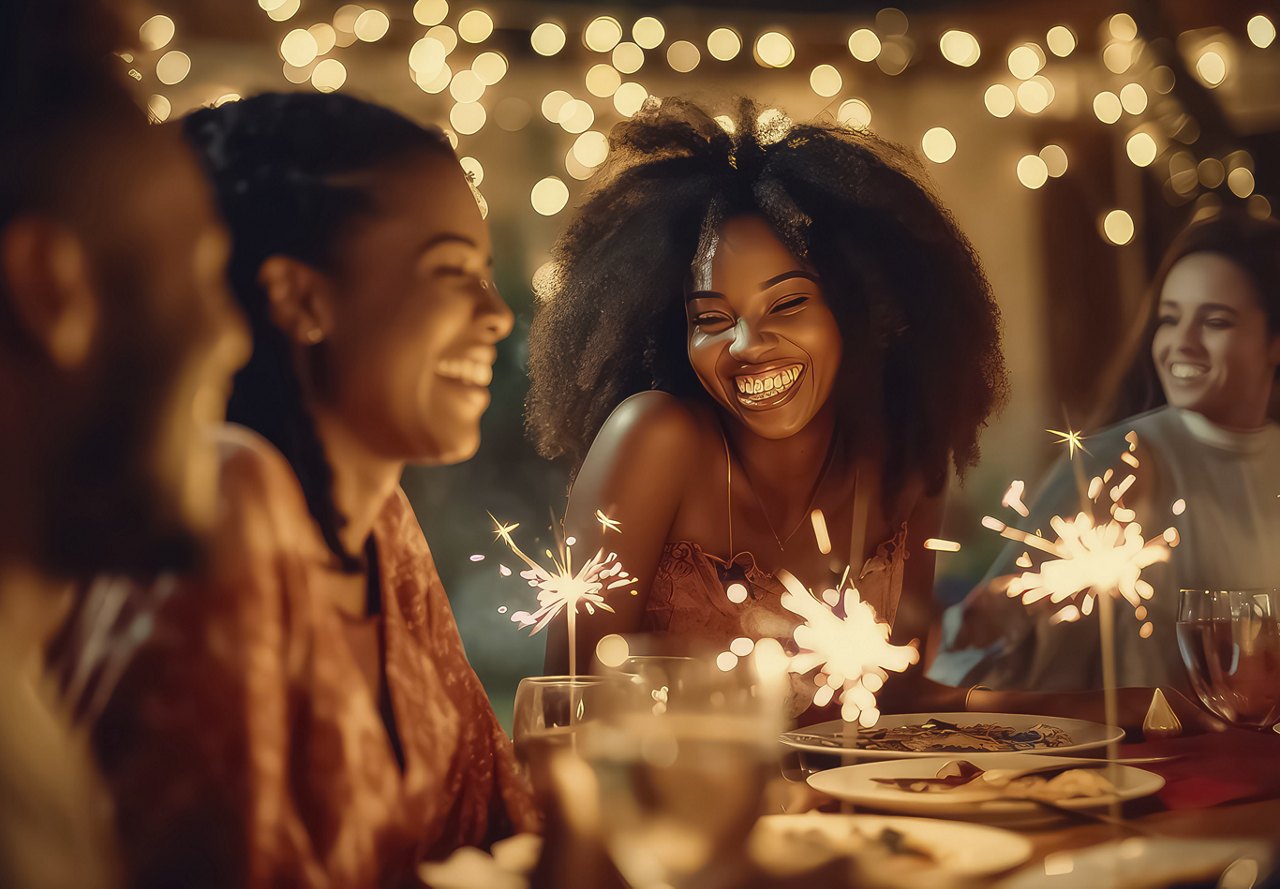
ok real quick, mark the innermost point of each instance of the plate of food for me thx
(921, 847)
(916, 735)
(986, 786)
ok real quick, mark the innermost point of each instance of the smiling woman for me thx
(750, 323)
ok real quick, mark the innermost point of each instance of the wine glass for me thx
(1230, 643)
(682, 756)
(549, 711)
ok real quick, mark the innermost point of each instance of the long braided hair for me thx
(282, 165)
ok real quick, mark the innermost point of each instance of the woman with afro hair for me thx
(765, 346)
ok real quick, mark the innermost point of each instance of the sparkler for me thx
(561, 589)
(841, 637)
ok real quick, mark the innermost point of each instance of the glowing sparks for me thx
(607, 523)
(842, 639)
(1072, 439)
(937, 544)
(1090, 558)
(820, 533)
(1012, 498)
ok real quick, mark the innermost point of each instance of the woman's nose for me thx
(495, 315)
(750, 345)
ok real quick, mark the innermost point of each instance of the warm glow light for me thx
(1142, 149)
(552, 102)
(1107, 107)
(825, 80)
(344, 20)
(771, 125)
(1061, 40)
(576, 116)
(174, 66)
(724, 44)
(999, 100)
(439, 83)
(426, 58)
(547, 39)
(473, 169)
(1211, 172)
(430, 12)
(372, 25)
(603, 80)
(612, 651)
(447, 36)
(1117, 227)
(296, 75)
(513, 114)
(1117, 57)
(894, 56)
(939, 145)
(467, 117)
(855, 113)
(591, 148)
(466, 87)
(299, 48)
(648, 32)
(1055, 160)
(1033, 172)
(628, 57)
(1162, 79)
(1123, 27)
(1025, 61)
(1240, 181)
(726, 123)
(1133, 98)
(475, 26)
(1211, 68)
(1262, 32)
(774, 50)
(156, 32)
(683, 56)
(329, 75)
(1034, 96)
(864, 45)
(160, 108)
(285, 11)
(549, 196)
(490, 67)
(574, 168)
(960, 48)
(629, 98)
(326, 37)
(1259, 207)
(602, 34)
(269, 5)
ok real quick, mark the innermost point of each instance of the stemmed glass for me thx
(1230, 644)
(549, 712)
(682, 756)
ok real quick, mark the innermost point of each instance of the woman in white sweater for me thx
(1207, 376)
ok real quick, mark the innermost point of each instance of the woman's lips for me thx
(465, 370)
(768, 389)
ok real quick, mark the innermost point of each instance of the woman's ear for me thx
(298, 299)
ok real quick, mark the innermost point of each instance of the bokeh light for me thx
(999, 100)
(437, 84)
(1261, 30)
(960, 48)
(939, 145)
(1107, 107)
(447, 36)
(156, 32)
(430, 12)
(475, 26)
(466, 87)
(629, 98)
(683, 56)
(1211, 172)
(326, 37)
(1133, 98)
(826, 81)
(1117, 227)
(552, 102)
(547, 39)
(372, 25)
(603, 34)
(174, 66)
(1241, 182)
(159, 108)
(1061, 41)
(864, 45)
(1033, 172)
(774, 49)
(467, 117)
(855, 113)
(490, 67)
(648, 32)
(1142, 149)
(591, 148)
(1055, 160)
(1211, 67)
(285, 11)
(329, 75)
(724, 44)
(426, 58)
(1117, 57)
(299, 48)
(603, 80)
(473, 169)
(1034, 95)
(549, 196)
(628, 57)
(1122, 26)
(1025, 61)
(576, 116)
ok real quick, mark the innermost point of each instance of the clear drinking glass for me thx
(549, 712)
(682, 756)
(1230, 644)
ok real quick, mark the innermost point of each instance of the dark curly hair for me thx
(1251, 244)
(906, 287)
(283, 166)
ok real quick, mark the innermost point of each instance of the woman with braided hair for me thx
(750, 321)
(300, 712)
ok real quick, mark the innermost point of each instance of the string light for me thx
(1107, 107)
(1117, 227)
(549, 196)
(1033, 172)
(329, 75)
(1211, 67)
(1142, 149)
(467, 117)
(960, 48)
(825, 80)
(1025, 61)
(724, 44)
(683, 56)
(591, 148)
(603, 34)
(372, 25)
(628, 57)
(1061, 41)
(1133, 98)
(156, 32)
(999, 100)
(490, 67)
(648, 32)
(466, 87)
(1034, 95)
(774, 50)
(547, 39)
(603, 80)
(430, 12)
(299, 48)
(864, 45)
(939, 145)
(1122, 26)
(475, 26)
(1261, 30)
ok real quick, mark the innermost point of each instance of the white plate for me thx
(786, 843)
(853, 784)
(1084, 735)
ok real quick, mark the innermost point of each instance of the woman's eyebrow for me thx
(794, 273)
(702, 294)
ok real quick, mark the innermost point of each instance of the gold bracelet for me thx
(968, 694)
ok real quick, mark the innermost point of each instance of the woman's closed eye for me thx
(788, 304)
(708, 320)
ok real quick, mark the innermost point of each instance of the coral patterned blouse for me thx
(240, 739)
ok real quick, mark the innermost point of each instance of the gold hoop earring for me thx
(314, 336)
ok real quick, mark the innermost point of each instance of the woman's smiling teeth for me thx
(474, 373)
(755, 388)
(1181, 370)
